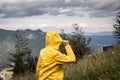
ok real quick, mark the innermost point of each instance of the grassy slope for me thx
(101, 66)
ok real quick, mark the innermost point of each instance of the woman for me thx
(51, 60)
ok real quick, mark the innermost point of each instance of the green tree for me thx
(116, 27)
(64, 37)
(21, 56)
(31, 65)
(79, 43)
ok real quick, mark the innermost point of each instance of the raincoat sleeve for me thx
(62, 58)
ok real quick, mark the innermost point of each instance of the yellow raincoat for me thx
(50, 61)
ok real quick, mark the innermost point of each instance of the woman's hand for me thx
(65, 42)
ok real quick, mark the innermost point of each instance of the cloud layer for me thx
(94, 8)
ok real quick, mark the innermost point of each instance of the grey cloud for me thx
(106, 9)
(71, 14)
(102, 13)
(80, 15)
(27, 8)
(53, 7)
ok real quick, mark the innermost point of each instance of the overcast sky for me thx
(91, 15)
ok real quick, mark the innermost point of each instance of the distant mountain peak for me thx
(39, 30)
(100, 33)
(28, 30)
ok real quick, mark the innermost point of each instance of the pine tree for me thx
(31, 65)
(19, 57)
(79, 43)
(116, 27)
(64, 37)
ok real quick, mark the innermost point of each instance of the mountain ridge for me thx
(36, 39)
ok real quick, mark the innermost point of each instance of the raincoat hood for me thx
(53, 39)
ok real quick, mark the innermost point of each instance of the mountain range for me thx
(102, 33)
(36, 39)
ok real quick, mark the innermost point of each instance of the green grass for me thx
(100, 66)
(27, 76)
